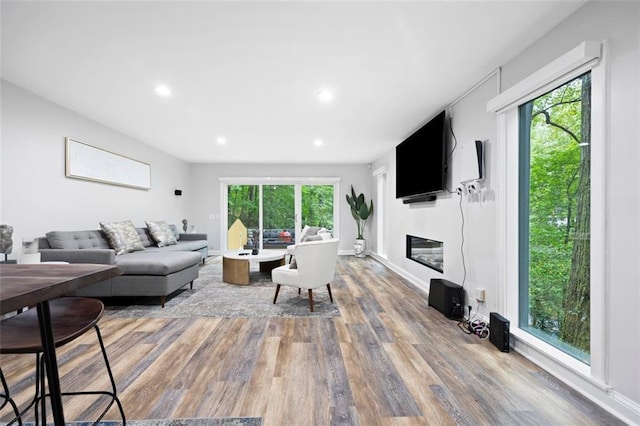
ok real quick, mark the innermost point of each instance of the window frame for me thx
(382, 241)
(588, 56)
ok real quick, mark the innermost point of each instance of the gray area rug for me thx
(211, 297)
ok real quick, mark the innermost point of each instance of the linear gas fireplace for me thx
(427, 252)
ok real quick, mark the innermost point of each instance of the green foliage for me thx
(317, 205)
(243, 204)
(359, 210)
(556, 153)
(278, 205)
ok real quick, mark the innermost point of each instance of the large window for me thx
(278, 217)
(243, 214)
(317, 205)
(272, 215)
(551, 162)
(554, 216)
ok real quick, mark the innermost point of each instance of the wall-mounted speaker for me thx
(178, 192)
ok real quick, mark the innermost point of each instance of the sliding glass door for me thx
(279, 216)
(272, 215)
(317, 206)
(243, 215)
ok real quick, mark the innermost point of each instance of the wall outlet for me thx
(480, 294)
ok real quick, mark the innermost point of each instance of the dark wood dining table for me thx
(35, 285)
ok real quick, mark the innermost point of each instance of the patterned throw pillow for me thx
(122, 236)
(312, 233)
(161, 233)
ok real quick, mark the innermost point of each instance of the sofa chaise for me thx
(152, 271)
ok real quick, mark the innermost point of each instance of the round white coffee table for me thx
(236, 265)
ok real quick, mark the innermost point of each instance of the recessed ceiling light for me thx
(221, 141)
(318, 142)
(163, 90)
(325, 96)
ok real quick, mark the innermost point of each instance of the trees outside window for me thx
(278, 204)
(554, 217)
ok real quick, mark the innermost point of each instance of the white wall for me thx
(443, 219)
(619, 23)
(36, 195)
(205, 212)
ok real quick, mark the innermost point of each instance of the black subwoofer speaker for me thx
(499, 331)
(447, 297)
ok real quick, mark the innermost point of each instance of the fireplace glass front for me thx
(427, 252)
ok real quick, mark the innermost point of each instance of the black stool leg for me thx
(8, 400)
(34, 401)
(112, 394)
(40, 397)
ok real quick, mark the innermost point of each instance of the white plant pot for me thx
(360, 248)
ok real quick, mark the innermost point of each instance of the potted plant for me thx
(360, 212)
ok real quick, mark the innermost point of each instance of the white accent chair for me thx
(314, 265)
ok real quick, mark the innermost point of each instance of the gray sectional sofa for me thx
(154, 271)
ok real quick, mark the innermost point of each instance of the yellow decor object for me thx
(236, 235)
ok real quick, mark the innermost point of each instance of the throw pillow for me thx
(161, 233)
(122, 236)
(325, 235)
(312, 231)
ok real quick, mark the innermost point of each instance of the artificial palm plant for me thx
(359, 210)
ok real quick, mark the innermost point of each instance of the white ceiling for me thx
(250, 71)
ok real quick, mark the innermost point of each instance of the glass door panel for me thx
(243, 215)
(317, 206)
(279, 219)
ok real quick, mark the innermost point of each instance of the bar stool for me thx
(6, 399)
(71, 317)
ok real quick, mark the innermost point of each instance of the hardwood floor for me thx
(389, 359)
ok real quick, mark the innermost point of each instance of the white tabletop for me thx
(262, 256)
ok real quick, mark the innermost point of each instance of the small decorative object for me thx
(360, 212)
(6, 242)
(192, 230)
(184, 225)
(30, 252)
(251, 245)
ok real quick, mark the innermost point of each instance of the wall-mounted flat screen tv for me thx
(421, 161)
